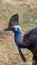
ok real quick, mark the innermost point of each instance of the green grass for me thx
(27, 16)
(27, 20)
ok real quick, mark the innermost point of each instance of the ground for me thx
(9, 54)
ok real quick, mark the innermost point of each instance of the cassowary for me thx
(28, 40)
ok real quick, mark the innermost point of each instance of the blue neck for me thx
(17, 38)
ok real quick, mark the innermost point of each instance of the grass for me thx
(27, 19)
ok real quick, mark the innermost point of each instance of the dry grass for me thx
(9, 54)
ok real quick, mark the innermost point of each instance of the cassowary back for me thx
(32, 37)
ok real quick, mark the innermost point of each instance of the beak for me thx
(9, 29)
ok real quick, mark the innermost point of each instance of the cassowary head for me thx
(16, 29)
(12, 22)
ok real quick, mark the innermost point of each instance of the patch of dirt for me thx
(3, 24)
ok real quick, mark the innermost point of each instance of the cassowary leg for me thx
(34, 62)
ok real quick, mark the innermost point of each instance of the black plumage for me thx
(32, 37)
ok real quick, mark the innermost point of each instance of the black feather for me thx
(32, 37)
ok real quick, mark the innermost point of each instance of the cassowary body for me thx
(28, 40)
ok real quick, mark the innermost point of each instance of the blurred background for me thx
(27, 10)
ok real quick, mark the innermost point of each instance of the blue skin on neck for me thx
(18, 36)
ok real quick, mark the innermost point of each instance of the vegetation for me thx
(27, 20)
